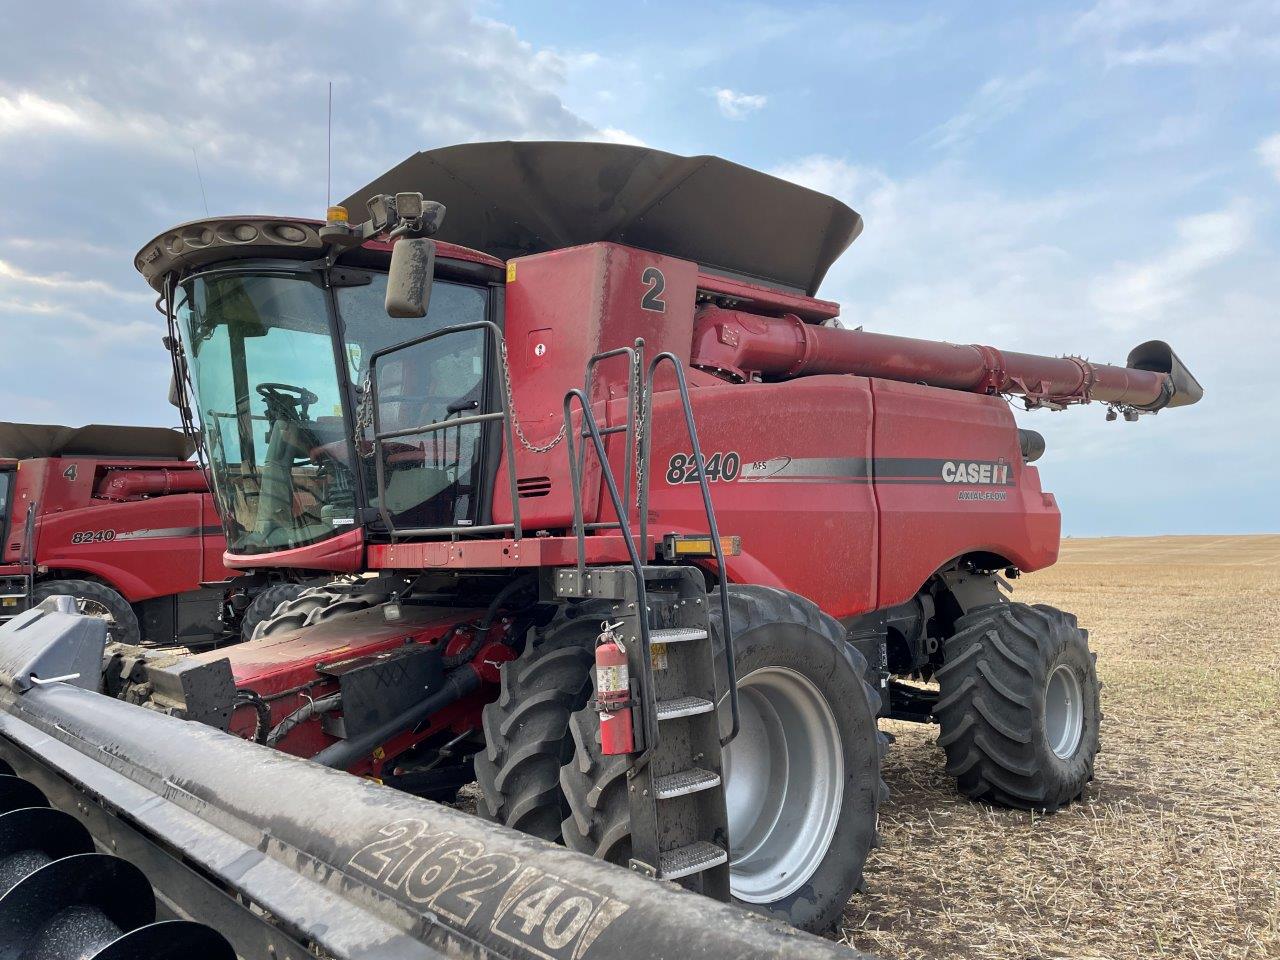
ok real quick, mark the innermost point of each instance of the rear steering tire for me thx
(802, 779)
(1018, 706)
(96, 600)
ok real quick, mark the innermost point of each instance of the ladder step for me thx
(677, 634)
(683, 707)
(691, 858)
(686, 781)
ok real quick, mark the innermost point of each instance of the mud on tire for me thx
(527, 728)
(1002, 713)
(772, 628)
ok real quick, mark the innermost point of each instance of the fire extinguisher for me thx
(613, 693)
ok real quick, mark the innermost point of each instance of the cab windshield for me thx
(279, 367)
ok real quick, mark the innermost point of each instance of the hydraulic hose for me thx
(342, 754)
(490, 615)
(312, 708)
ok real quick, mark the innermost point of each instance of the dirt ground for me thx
(1175, 850)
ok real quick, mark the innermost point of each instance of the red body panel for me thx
(841, 493)
(561, 308)
(341, 554)
(147, 547)
(849, 490)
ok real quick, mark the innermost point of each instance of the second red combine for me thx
(640, 538)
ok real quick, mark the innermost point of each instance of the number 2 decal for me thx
(656, 282)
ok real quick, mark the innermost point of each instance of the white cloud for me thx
(737, 106)
(1145, 289)
(25, 113)
(1269, 153)
(1113, 17)
(614, 135)
(1216, 45)
(11, 275)
(995, 99)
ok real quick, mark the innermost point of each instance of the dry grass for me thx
(1175, 850)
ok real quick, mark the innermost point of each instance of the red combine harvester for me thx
(121, 520)
(641, 539)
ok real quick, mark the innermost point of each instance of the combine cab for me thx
(635, 535)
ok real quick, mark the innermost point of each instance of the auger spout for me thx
(742, 345)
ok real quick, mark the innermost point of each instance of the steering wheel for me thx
(285, 399)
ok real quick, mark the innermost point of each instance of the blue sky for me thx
(1066, 178)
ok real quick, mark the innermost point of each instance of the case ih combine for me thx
(642, 540)
(121, 520)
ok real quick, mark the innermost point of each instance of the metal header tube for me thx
(345, 866)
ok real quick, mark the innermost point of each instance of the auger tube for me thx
(741, 345)
(340, 865)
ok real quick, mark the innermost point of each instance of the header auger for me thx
(624, 530)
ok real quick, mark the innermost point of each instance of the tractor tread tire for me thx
(527, 728)
(265, 604)
(126, 630)
(293, 614)
(595, 785)
(991, 704)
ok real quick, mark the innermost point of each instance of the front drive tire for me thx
(264, 605)
(526, 730)
(792, 661)
(1018, 706)
(96, 600)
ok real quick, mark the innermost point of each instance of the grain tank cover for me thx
(24, 441)
(510, 199)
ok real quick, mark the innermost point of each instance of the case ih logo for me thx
(975, 471)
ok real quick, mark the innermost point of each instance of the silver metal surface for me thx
(784, 784)
(683, 707)
(1063, 711)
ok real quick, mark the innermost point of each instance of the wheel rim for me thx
(1063, 712)
(784, 783)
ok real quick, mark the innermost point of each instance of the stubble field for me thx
(1175, 849)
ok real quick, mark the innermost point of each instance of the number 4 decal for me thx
(656, 282)
(70, 472)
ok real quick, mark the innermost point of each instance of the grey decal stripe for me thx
(162, 532)
(922, 470)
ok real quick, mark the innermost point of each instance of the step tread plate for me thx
(683, 707)
(691, 858)
(677, 634)
(683, 782)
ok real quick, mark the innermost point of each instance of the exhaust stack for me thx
(742, 346)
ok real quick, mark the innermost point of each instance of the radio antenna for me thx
(200, 180)
(328, 177)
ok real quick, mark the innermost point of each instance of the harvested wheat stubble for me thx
(1175, 850)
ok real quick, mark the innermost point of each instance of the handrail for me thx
(646, 440)
(634, 355)
(378, 436)
(592, 429)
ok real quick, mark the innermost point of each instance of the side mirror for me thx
(413, 261)
(175, 395)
